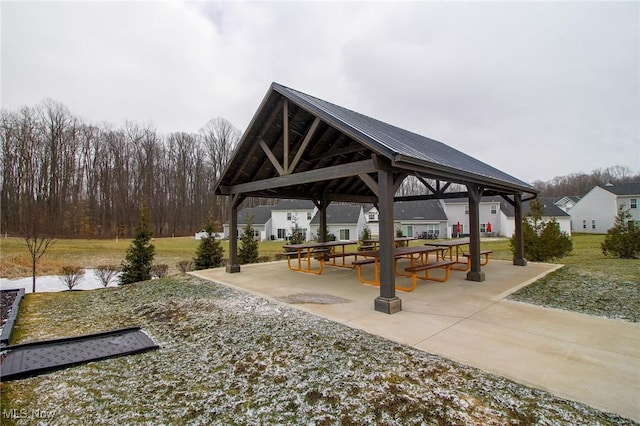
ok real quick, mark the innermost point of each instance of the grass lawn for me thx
(228, 357)
(589, 283)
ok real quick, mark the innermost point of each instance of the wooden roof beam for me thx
(311, 176)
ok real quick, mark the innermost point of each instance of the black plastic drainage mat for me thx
(30, 359)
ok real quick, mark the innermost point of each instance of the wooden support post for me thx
(285, 131)
(518, 259)
(387, 302)
(322, 210)
(233, 265)
(475, 195)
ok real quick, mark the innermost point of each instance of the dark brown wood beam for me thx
(311, 176)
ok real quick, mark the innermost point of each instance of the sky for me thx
(536, 89)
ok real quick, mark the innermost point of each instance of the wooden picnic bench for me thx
(417, 256)
(415, 269)
(358, 265)
(484, 253)
(321, 252)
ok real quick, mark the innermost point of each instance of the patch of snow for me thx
(53, 283)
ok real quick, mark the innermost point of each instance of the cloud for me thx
(536, 89)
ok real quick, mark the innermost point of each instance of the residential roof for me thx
(340, 214)
(486, 199)
(550, 208)
(294, 205)
(261, 214)
(419, 210)
(335, 153)
(627, 188)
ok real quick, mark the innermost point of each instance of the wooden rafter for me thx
(304, 145)
(271, 157)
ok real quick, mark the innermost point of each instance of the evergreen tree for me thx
(543, 240)
(365, 235)
(209, 253)
(297, 236)
(139, 259)
(248, 250)
(623, 240)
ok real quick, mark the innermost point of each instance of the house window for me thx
(584, 224)
(593, 224)
(344, 234)
(282, 233)
(494, 209)
(633, 203)
(289, 214)
(466, 209)
(483, 227)
(372, 216)
(308, 215)
(433, 229)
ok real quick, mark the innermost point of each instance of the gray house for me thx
(551, 211)
(344, 221)
(261, 222)
(421, 217)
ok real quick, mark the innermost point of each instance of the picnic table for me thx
(453, 250)
(320, 252)
(372, 244)
(418, 260)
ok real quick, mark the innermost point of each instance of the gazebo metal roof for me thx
(329, 151)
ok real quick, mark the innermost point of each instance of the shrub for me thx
(185, 266)
(71, 275)
(248, 250)
(209, 253)
(137, 264)
(623, 240)
(106, 273)
(297, 236)
(543, 240)
(159, 270)
(365, 235)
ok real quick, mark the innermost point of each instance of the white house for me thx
(345, 222)
(371, 218)
(595, 213)
(287, 213)
(260, 219)
(491, 221)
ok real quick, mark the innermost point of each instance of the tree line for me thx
(78, 179)
(578, 184)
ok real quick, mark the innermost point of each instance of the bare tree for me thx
(71, 276)
(106, 273)
(37, 245)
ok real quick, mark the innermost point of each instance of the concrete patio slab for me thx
(575, 356)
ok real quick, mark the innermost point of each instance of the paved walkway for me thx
(579, 357)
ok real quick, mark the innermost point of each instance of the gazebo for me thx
(301, 147)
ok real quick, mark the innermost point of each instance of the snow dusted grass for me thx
(228, 357)
(589, 292)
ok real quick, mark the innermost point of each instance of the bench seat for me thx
(484, 253)
(414, 270)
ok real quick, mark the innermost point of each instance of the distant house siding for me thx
(284, 220)
(595, 212)
(458, 212)
(631, 204)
